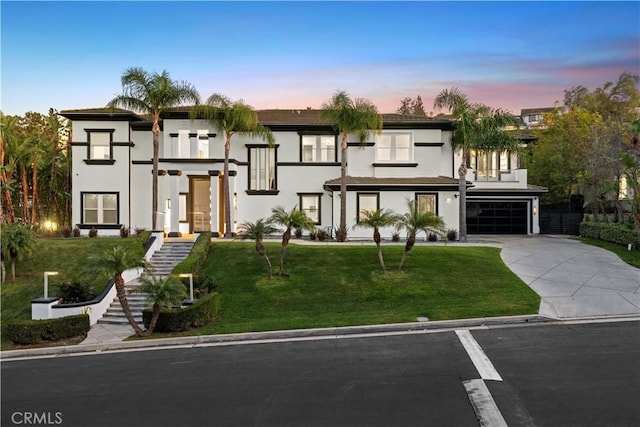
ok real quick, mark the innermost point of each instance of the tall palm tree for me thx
(153, 93)
(376, 219)
(163, 292)
(414, 222)
(257, 231)
(231, 117)
(295, 218)
(113, 262)
(478, 127)
(359, 116)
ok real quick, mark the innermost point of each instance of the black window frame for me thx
(84, 224)
(270, 191)
(319, 197)
(89, 159)
(427, 193)
(318, 136)
(365, 193)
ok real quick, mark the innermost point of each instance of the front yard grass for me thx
(630, 257)
(335, 285)
(66, 256)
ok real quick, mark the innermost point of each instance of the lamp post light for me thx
(190, 276)
(46, 281)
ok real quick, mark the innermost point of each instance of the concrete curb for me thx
(273, 336)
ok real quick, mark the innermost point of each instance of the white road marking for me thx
(483, 404)
(478, 357)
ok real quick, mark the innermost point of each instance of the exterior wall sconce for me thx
(448, 200)
(46, 281)
(456, 195)
(535, 210)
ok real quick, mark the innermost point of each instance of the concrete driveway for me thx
(575, 280)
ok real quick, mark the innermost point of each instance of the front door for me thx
(199, 206)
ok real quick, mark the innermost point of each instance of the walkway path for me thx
(574, 279)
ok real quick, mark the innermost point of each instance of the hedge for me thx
(33, 331)
(611, 232)
(180, 319)
(197, 257)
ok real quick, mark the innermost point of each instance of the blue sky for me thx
(513, 55)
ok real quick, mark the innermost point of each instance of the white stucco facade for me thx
(410, 159)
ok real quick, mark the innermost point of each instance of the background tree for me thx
(358, 116)
(113, 263)
(295, 218)
(411, 107)
(17, 242)
(414, 222)
(8, 146)
(477, 127)
(153, 93)
(163, 292)
(376, 220)
(231, 117)
(257, 231)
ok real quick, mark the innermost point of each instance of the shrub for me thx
(76, 231)
(138, 230)
(341, 234)
(180, 319)
(321, 234)
(73, 291)
(67, 232)
(611, 232)
(432, 237)
(452, 234)
(33, 331)
(313, 235)
(93, 232)
(125, 232)
(298, 233)
(395, 237)
(197, 257)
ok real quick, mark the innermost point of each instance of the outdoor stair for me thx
(163, 261)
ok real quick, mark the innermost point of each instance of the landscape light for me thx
(46, 281)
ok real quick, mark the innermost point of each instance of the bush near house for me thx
(180, 319)
(34, 331)
(611, 232)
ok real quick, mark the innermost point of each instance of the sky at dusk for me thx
(512, 55)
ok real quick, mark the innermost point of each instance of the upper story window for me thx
(394, 147)
(202, 150)
(262, 169)
(99, 208)
(318, 148)
(100, 144)
(489, 164)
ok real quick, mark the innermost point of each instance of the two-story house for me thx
(410, 159)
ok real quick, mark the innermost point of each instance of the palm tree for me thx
(163, 292)
(17, 241)
(153, 93)
(376, 219)
(8, 144)
(478, 127)
(295, 218)
(257, 231)
(113, 262)
(359, 116)
(414, 222)
(231, 117)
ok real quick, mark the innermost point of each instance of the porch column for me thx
(174, 197)
(232, 197)
(215, 198)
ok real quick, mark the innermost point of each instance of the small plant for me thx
(76, 231)
(313, 235)
(93, 232)
(73, 291)
(432, 237)
(341, 234)
(452, 234)
(395, 237)
(67, 232)
(321, 234)
(139, 230)
(125, 232)
(298, 233)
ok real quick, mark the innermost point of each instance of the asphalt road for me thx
(582, 375)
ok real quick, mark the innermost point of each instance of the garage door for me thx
(497, 217)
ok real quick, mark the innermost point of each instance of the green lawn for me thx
(66, 256)
(630, 257)
(343, 285)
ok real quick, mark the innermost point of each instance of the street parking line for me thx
(478, 357)
(483, 404)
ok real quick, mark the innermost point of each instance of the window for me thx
(488, 164)
(100, 208)
(394, 147)
(310, 205)
(318, 148)
(262, 169)
(203, 145)
(100, 145)
(427, 203)
(367, 202)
